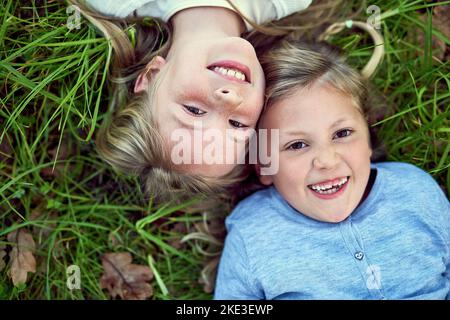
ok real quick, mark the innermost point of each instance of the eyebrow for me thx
(299, 132)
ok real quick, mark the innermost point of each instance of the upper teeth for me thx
(328, 186)
(230, 72)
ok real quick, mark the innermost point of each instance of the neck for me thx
(205, 22)
(372, 177)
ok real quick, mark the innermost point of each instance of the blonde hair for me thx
(295, 65)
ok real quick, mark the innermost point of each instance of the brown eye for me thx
(194, 110)
(237, 124)
(343, 133)
(297, 145)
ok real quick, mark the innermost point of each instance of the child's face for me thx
(324, 142)
(195, 91)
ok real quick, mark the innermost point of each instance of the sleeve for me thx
(235, 279)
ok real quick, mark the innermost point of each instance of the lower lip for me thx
(332, 195)
(230, 64)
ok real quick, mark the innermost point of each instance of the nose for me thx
(228, 97)
(326, 158)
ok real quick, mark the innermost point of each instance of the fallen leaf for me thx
(2, 255)
(21, 255)
(126, 280)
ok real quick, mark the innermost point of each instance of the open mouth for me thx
(231, 70)
(329, 187)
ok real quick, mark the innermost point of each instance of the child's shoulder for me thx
(410, 182)
(399, 167)
(403, 172)
(255, 207)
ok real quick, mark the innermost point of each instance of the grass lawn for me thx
(54, 186)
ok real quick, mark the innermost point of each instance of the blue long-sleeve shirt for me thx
(395, 245)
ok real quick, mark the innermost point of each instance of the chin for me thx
(336, 219)
(332, 217)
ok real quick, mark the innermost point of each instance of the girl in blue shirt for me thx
(331, 224)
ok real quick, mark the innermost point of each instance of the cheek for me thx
(358, 157)
(358, 150)
(291, 173)
(366, 152)
(256, 100)
(169, 130)
(254, 106)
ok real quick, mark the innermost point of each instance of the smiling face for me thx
(217, 84)
(324, 152)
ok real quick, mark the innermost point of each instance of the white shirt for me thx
(259, 11)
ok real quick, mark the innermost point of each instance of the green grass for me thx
(52, 101)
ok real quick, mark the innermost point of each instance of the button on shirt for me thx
(395, 245)
(359, 255)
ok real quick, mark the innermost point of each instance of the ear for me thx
(150, 71)
(266, 180)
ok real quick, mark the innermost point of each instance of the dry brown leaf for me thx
(123, 279)
(21, 255)
(2, 255)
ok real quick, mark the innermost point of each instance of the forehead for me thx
(319, 104)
